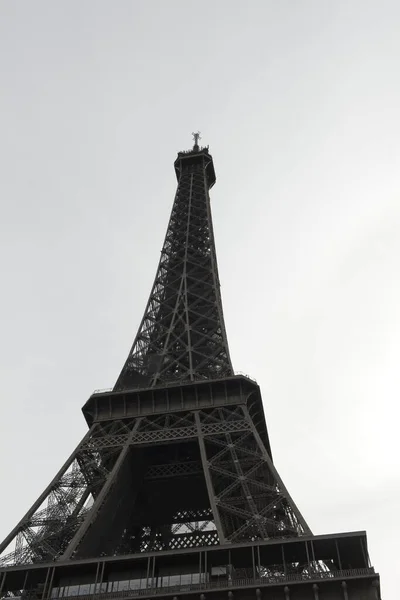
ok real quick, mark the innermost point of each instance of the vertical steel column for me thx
(207, 477)
(153, 572)
(96, 580)
(344, 589)
(2, 581)
(284, 560)
(185, 287)
(25, 580)
(312, 550)
(200, 567)
(148, 571)
(47, 593)
(338, 555)
(365, 553)
(103, 564)
(46, 581)
(308, 554)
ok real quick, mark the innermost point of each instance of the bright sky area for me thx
(299, 102)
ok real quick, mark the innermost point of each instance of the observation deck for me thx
(200, 157)
(322, 566)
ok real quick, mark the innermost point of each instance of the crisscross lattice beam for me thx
(182, 335)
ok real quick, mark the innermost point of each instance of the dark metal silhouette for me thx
(182, 335)
(175, 473)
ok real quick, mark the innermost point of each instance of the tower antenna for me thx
(196, 138)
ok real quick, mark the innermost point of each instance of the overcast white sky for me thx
(299, 102)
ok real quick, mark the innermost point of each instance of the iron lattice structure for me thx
(177, 461)
(182, 335)
(210, 467)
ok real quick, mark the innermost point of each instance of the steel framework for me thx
(182, 334)
(176, 461)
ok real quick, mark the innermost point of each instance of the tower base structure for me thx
(244, 539)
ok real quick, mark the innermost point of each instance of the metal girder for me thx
(246, 498)
(175, 469)
(238, 473)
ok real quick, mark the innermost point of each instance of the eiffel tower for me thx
(173, 491)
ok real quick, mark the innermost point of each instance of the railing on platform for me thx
(214, 585)
(170, 384)
(102, 391)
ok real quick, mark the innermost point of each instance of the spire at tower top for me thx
(196, 138)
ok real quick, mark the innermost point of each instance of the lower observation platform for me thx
(324, 567)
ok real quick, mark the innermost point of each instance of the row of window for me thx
(128, 584)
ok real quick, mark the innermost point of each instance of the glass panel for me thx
(84, 589)
(73, 590)
(182, 579)
(123, 585)
(174, 580)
